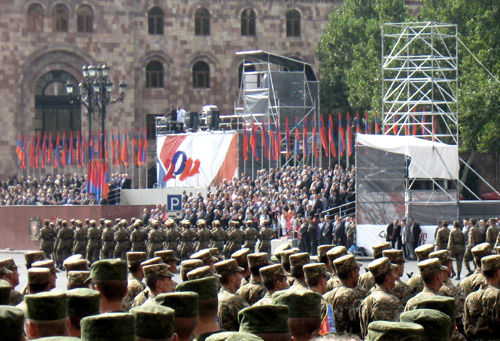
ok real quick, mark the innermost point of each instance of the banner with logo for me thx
(196, 159)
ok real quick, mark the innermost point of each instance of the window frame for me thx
(201, 78)
(155, 77)
(34, 12)
(156, 21)
(293, 23)
(248, 23)
(60, 21)
(85, 21)
(202, 22)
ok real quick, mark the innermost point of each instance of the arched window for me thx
(202, 22)
(250, 80)
(201, 75)
(155, 21)
(154, 74)
(60, 18)
(293, 23)
(85, 19)
(53, 110)
(248, 22)
(35, 18)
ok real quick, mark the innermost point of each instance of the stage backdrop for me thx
(196, 159)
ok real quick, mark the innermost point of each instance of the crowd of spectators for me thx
(59, 189)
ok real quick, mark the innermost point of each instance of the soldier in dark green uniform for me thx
(219, 236)
(64, 243)
(94, 242)
(204, 236)
(235, 239)
(138, 237)
(122, 240)
(156, 237)
(48, 237)
(265, 236)
(108, 240)
(80, 239)
(173, 236)
(188, 238)
(251, 236)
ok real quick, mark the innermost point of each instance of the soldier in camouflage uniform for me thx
(456, 246)
(143, 296)
(442, 236)
(64, 243)
(366, 281)
(323, 258)
(138, 237)
(219, 236)
(251, 236)
(230, 303)
(381, 304)
(275, 279)
(432, 273)
(159, 281)
(11, 275)
(156, 237)
(204, 236)
(297, 262)
(173, 236)
(255, 290)
(235, 238)
(316, 278)
(333, 254)
(122, 241)
(400, 290)
(492, 233)
(422, 253)
(482, 307)
(265, 236)
(48, 237)
(474, 281)
(346, 299)
(94, 242)
(108, 240)
(80, 239)
(475, 237)
(188, 238)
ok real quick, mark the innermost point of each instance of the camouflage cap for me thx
(301, 303)
(443, 256)
(285, 255)
(272, 272)
(201, 222)
(78, 279)
(8, 263)
(5, 288)
(154, 321)
(314, 270)
(490, 263)
(301, 258)
(77, 264)
(279, 250)
(184, 303)
(264, 319)
(436, 324)
(157, 270)
(258, 260)
(336, 252)
(11, 323)
(323, 249)
(205, 256)
(215, 253)
(228, 265)
(166, 255)
(190, 264)
(33, 256)
(346, 263)
(46, 306)
(444, 304)
(394, 331)
(185, 222)
(206, 288)
(241, 257)
(201, 272)
(5, 271)
(72, 258)
(108, 326)
(47, 263)
(381, 266)
(136, 257)
(395, 256)
(430, 265)
(379, 247)
(83, 302)
(481, 250)
(233, 336)
(216, 223)
(38, 276)
(109, 269)
(151, 261)
(422, 252)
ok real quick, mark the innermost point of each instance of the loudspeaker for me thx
(213, 120)
(192, 121)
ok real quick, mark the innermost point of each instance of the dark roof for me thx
(290, 63)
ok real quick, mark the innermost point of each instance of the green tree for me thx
(349, 53)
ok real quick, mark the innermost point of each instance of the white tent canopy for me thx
(428, 159)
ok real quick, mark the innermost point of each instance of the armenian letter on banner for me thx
(196, 160)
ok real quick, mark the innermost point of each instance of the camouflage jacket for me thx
(134, 288)
(379, 305)
(299, 285)
(472, 283)
(333, 282)
(366, 281)
(451, 290)
(426, 292)
(442, 237)
(416, 283)
(230, 305)
(402, 291)
(253, 291)
(482, 313)
(266, 300)
(345, 302)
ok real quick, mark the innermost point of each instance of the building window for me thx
(293, 23)
(85, 19)
(248, 22)
(201, 75)
(155, 21)
(202, 22)
(154, 74)
(60, 18)
(35, 18)
(151, 125)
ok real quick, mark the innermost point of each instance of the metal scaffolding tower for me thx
(420, 80)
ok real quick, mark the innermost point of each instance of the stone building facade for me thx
(169, 52)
